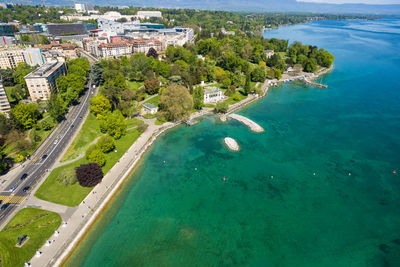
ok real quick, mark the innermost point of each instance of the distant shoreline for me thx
(107, 200)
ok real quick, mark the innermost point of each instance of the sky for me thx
(373, 2)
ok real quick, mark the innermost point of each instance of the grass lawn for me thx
(37, 224)
(8, 92)
(236, 97)
(133, 122)
(155, 100)
(150, 116)
(89, 131)
(133, 85)
(71, 195)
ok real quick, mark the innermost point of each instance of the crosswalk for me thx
(12, 199)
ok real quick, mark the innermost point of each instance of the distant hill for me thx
(247, 5)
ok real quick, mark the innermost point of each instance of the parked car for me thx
(44, 156)
(1, 201)
(4, 206)
(23, 177)
(26, 188)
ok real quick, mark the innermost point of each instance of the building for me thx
(148, 14)
(33, 56)
(212, 94)
(150, 108)
(110, 15)
(7, 29)
(42, 81)
(91, 45)
(269, 53)
(81, 8)
(114, 50)
(225, 32)
(68, 50)
(9, 59)
(64, 29)
(4, 102)
(143, 45)
(40, 27)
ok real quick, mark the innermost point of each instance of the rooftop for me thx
(149, 106)
(45, 70)
(211, 89)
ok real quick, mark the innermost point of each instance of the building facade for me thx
(148, 14)
(60, 29)
(4, 102)
(42, 81)
(212, 94)
(114, 50)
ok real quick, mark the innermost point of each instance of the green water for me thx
(317, 188)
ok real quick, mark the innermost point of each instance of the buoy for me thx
(272, 177)
(314, 173)
(394, 171)
(349, 173)
(223, 178)
(195, 169)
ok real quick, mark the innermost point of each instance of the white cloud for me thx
(374, 2)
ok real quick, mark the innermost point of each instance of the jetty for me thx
(191, 122)
(319, 85)
(231, 143)
(249, 123)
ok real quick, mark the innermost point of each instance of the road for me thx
(45, 156)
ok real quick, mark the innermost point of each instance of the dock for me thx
(191, 122)
(249, 123)
(319, 85)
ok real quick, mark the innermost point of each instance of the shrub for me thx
(89, 175)
(142, 127)
(221, 107)
(67, 177)
(96, 156)
(106, 143)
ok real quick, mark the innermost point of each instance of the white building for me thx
(4, 102)
(110, 15)
(81, 8)
(148, 14)
(269, 53)
(212, 94)
(42, 81)
(114, 50)
(33, 56)
(150, 108)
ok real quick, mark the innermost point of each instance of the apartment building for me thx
(143, 45)
(10, 58)
(114, 50)
(4, 102)
(42, 81)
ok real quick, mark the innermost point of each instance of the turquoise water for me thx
(317, 188)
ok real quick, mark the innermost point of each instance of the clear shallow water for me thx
(170, 214)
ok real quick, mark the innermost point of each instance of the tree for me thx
(198, 98)
(176, 102)
(17, 92)
(152, 86)
(67, 177)
(89, 175)
(97, 74)
(106, 143)
(221, 107)
(152, 53)
(56, 108)
(7, 77)
(26, 114)
(258, 74)
(113, 124)
(310, 65)
(96, 156)
(20, 72)
(247, 88)
(226, 83)
(100, 106)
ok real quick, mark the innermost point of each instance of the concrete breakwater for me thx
(231, 143)
(249, 123)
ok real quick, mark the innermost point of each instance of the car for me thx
(13, 188)
(26, 188)
(44, 156)
(23, 177)
(4, 206)
(55, 142)
(72, 126)
(80, 117)
(1, 201)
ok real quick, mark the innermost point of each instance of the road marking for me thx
(12, 199)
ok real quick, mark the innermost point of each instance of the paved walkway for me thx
(93, 204)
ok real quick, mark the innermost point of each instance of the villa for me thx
(150, 108)
(212, 94)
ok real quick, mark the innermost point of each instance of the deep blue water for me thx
(317, 188)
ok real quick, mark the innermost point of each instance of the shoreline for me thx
(63, 253)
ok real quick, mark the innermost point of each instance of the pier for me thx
(249, 123)
(191, 122)
(319, 85)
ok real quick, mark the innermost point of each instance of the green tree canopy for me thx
(26, 114)
(176, 102)
(100, 106)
